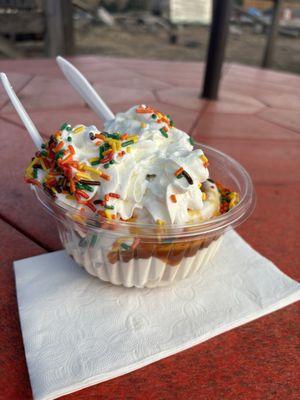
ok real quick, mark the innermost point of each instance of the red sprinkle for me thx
(115, 195)
(71, 149)
(91, 206)
(82, 194)
(135, 244)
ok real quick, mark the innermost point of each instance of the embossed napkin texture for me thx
(78, 331)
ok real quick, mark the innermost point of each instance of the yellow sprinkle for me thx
(203, 158)
(91, 169)
(160, 222)
(70, 197)
(135, 138)
(204, 196)
(82, 175)
(113, 146)
(235, 198)
(28, 170)
(78, 129)
(143, 125)
(93, 159)
(106, 152)
(108, 214)
(43, 165)
(199, 185)
(79, 218)
(128, 149)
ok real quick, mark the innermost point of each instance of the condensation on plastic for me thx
(164, 254)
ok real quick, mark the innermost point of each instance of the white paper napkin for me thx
(78, 331)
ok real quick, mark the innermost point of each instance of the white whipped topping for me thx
(145, 177)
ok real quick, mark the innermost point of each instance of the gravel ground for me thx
(136, 41)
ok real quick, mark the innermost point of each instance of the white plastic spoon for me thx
(85, 89)
(29, 125)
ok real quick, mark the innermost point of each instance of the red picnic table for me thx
(256, 121)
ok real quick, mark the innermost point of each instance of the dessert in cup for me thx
(139, 203)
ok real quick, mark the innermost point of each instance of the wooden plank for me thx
(22, 22)
(59, 27)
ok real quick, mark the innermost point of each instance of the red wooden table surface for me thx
(256, 121)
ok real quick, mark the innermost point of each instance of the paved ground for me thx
(257, 121)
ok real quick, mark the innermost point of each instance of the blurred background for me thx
(148, 29)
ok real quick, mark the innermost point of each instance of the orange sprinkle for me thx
(74, 164)
(68, 159)
(105, 177)
(107, 152)
(173, 198)
(98, 143)
(71, 149)
(146, 110)
(179, 171)
(106, 197)
(59, 146)
(125, 136)
(57, 134)
(99, 136)
(72, 186)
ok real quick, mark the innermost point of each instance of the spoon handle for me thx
(85, 89)
(29, 125)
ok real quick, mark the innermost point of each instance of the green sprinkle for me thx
(113, 135)
(106, 165)
(64, 126)
(93, 240)
(179, 176)
(153, 116)
(44, 153)
(68, 128)
(109, 207)
(60, 154)
(83, 242)
(191, 141)
(35, 173)
(171, 123)
(125, 246)
(43, 146)
(95, 162)
(168, 116)
(83, 186)
(164, 133)
(69, 139)
(127, 143)
(112, 162)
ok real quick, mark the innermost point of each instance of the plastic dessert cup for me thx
(140, 255)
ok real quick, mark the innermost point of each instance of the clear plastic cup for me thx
(148, 255)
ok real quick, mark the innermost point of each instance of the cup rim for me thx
(232, 218)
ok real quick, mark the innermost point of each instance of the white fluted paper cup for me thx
(147, 255)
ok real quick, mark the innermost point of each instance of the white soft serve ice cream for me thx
(150, 171)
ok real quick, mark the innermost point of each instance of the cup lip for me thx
(232, 218)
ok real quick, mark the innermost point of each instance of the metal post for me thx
(272, 34)
(216, 49)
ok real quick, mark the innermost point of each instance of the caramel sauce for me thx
(170, 253)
